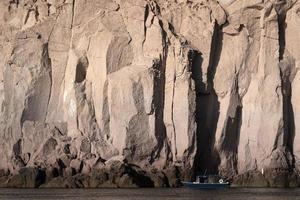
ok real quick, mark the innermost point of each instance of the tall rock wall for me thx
(171, 88)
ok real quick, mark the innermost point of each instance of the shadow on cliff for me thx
(288, 118)
(207, 109)
(135, 141)
(159, 68)
(287, 66)
(230, 137)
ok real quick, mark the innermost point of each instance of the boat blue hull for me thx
(205, 185)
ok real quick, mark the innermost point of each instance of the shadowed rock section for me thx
(123, 93)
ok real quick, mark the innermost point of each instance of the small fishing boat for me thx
(206, 182)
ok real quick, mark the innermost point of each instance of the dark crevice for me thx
(49, 6)
(27, 16)
(215, 54)
(288, 111)
(47, 63)
(145, 20)
(281, 31)
(172, 116)
(197, 60)
(73, 13)
(207, 114)
(81, 70)
(17, 148)
(207, 109)
(37, 14)
(105, 112)
(158, 104)
(172, 29)
(287, 66)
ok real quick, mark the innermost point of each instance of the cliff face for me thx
(175, 87)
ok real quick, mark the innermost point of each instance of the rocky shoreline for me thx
(63, 162)
(121, 175)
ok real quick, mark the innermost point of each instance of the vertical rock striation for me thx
(116, 93)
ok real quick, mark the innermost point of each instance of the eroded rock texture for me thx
(117, 93)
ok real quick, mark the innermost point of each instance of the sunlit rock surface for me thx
(117, 93)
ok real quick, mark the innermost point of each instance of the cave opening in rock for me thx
(207, 111)
(207, 108)
(81, 70)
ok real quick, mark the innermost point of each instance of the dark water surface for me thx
(145, 194)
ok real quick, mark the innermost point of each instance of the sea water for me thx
(153, 194)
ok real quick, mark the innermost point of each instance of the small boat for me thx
(205, 182)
